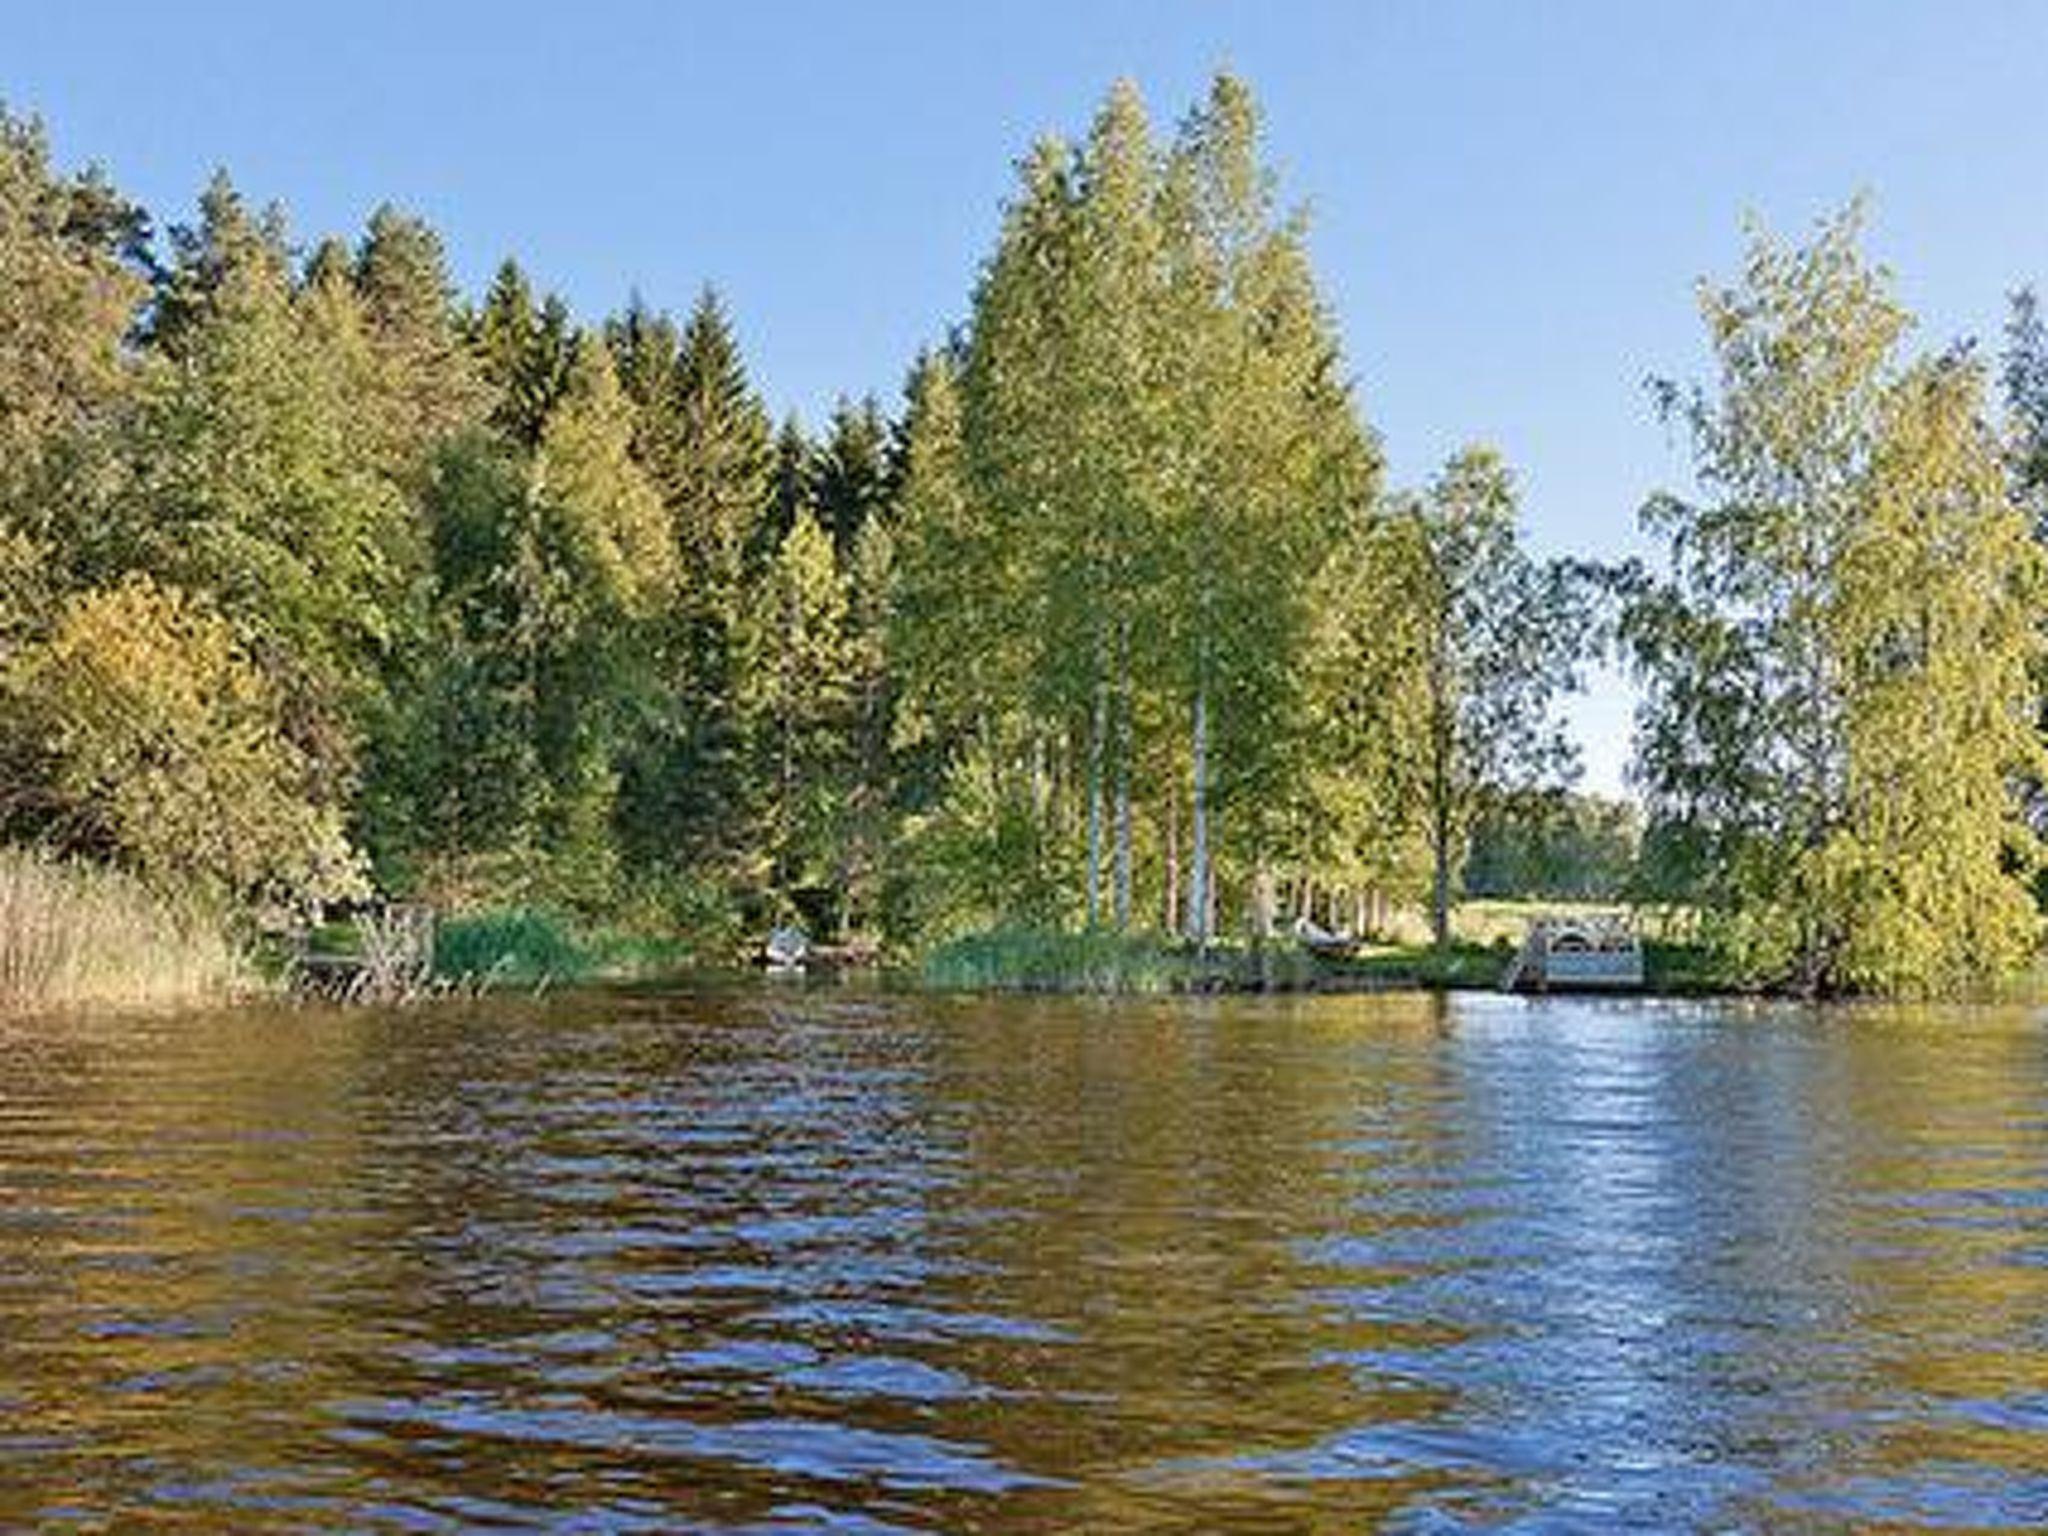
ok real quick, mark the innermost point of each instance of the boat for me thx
(1322, 943)
(786, 949)
(1598, 952)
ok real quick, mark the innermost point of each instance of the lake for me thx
(789, 1258)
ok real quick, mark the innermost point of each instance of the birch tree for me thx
(1840, 664)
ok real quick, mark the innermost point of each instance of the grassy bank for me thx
(75, 934)
(1484, 938)
(529, 948)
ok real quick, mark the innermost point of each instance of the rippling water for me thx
(793, 1260)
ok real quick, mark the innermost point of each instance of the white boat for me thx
(786, 949)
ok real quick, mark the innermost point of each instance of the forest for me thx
(325, 583)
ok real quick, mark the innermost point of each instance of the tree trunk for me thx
(1199, 927)
(1098, 724)
(1123, 834)
(1440, 881)
(1172, 860)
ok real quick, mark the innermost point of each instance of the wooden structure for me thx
(393, 958)
(1593, 953)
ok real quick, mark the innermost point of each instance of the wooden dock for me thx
(1597, 953)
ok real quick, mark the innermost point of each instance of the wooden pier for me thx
(1596, 953)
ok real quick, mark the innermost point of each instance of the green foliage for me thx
(702, 438)
(162, 748)
(851, 483)
(2025, 380)
(1841, 664)
(1113, 629)
(515, 947)
(800, 678)
(524, 947)
(1555, 844)
(1150, 378)
(69, 290)
(1498, 637)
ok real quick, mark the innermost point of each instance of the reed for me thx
(75, 934)
(1043, 960)
(523, 947)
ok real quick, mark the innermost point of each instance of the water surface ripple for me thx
(796, 1259)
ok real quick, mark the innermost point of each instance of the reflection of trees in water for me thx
(1173, 1195)
(1935, 1132)
(1281, 1265)
(175, 1191)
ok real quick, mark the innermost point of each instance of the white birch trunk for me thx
(1198, 819)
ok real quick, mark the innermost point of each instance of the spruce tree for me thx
(851, 482)
(524, 351)
(427, 383)
(791, 491)
(692, 789)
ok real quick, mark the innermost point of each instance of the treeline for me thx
(319, 579)
(322, 579)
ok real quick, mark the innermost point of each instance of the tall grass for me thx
(1042, 960)
(524, 947)
(74, 933)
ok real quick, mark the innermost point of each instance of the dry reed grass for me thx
(75, 934)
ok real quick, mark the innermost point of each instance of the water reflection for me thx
(795, 1260)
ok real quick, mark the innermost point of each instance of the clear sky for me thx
(1512, 200)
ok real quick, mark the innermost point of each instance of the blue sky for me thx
(1512, 200)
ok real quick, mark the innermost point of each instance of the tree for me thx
(164, 751)
(70, 284)
(1499, 638)
(252, 485)
(975, 847)
(2025, 377)
(850, 476)
(524, 351)
(1840, 663)
(1555, 844)
(1272, 465)
(701, 436)
(1149, 377)
(426, 381)
(791, 490)
(801, 691)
